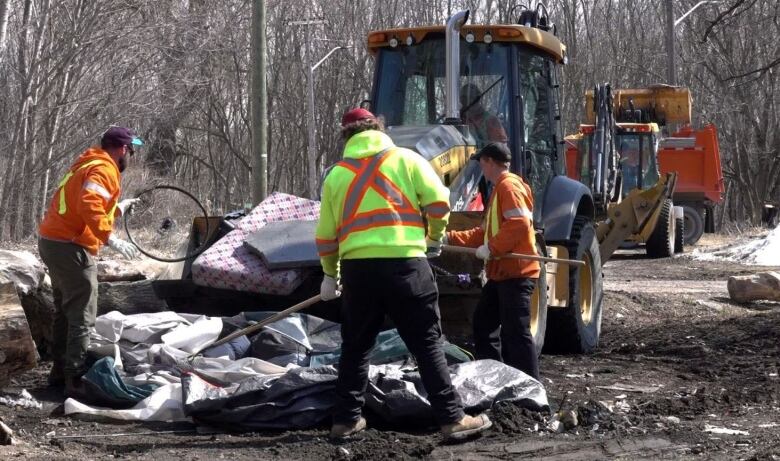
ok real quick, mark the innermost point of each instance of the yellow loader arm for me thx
(638, 211)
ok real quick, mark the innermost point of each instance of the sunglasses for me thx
(130, 149)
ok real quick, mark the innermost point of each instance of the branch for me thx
(754, 71)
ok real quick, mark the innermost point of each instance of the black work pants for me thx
(403, 289)
(502, 324)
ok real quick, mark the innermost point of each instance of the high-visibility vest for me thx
(63, 205)
(373, 203)
(398, 210)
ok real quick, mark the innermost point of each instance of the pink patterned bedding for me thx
(228, 264)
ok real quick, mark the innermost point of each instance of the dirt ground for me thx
(677, 364)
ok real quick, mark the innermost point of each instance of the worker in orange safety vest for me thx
(78, 221)
(502, 317)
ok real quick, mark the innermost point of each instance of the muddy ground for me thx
(676, 359)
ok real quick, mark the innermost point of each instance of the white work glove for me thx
(125, 204)
(434, 247)
(126, 249)
(483, 252)
(329, 289)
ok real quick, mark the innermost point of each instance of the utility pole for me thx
(671, 78)
(311, 157)
(259, 103)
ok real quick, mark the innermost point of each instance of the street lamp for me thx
(311, 153)
(312, 128)
(670, 25)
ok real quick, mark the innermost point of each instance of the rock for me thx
(6, 434)
(673, 419)
(23, 269)
(568, 419)
(760, 286)
(17, 348)
(33, 286)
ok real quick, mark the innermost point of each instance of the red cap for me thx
(355, 115)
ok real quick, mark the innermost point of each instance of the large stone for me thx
(33, 286)
(17, 349)
(761, 286)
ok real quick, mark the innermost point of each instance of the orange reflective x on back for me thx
(399, 211)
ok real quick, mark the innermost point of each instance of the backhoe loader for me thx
(616, 154)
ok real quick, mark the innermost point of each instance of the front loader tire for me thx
(661, 241)
(576, 328)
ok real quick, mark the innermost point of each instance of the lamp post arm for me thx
(682, 18)
(324, 58)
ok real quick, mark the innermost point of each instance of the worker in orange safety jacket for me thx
(502, 317)
(78, 221)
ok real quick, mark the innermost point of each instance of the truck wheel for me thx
(694, 224)
(575, 329)
(661, 241)
(679, 235)
(539, 308)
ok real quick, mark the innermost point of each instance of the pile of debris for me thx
(161, 367)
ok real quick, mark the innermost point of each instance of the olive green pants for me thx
(74, 281)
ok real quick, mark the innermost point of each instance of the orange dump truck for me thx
(695, 156)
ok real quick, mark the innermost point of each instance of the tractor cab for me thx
(501, 86)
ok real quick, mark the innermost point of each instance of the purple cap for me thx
(118, 136)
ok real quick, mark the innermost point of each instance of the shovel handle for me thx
(252, 328)
(473, 251)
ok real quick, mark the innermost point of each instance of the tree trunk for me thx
(17, 348)
(4, 10)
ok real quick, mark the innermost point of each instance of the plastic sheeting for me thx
(293, 388)
(304, 397)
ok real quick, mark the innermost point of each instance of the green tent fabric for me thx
(389, 347)
(107, 388)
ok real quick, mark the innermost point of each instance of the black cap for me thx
(118, 136)
(497, 151)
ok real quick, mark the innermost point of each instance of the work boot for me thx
(466, 427)
(56, 376)
(75, 389)
(342, 431)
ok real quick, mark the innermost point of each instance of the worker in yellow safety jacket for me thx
(502, 317)
(371, 233)
(78, 221)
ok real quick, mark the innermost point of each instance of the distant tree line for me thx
(178, 72)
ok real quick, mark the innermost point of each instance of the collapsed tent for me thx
(281, 377)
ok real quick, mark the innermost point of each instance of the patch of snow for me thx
(763, 251)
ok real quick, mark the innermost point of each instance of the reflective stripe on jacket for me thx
(373, 201)
(508, 228)
(83, 207)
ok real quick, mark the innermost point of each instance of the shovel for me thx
(473, 251)
(252, 328)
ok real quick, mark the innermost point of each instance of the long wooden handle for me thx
(473, 251)
(279, 315)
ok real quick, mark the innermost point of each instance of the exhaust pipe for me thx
(452, 43)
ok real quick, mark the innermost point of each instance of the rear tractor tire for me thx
(679, 235)
(661, 241)
(576, 328)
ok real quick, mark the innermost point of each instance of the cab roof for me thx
(511, 33)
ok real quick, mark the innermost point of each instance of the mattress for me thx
(229, 264)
